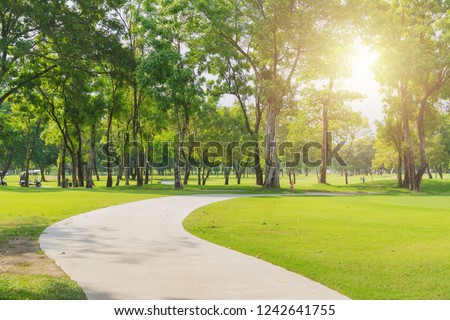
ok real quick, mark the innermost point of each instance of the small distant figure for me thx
(292, 186)
(363, 179)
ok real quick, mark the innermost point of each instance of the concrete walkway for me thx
(140, 251)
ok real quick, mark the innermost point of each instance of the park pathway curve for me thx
(140, 251)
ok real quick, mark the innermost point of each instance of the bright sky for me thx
(363, 81)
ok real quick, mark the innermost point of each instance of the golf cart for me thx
(3, 182)
(35, 182)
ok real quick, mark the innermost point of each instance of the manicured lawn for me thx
(364, 246)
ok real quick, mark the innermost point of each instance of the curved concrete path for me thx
(140, 251)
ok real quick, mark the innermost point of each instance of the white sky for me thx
(363, 81)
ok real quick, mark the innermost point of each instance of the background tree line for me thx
(75, 75)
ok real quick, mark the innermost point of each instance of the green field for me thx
(366, 247)
(26, 212)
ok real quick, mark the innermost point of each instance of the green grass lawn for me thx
(26, 212)
(364, 246)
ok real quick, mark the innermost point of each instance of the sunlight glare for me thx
(363, 81)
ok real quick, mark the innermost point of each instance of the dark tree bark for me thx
(226, 173)
(109, 178)
(410, 168)
(399, 170)
(63, 166)
(80, 157)
(272, 168)
(8, 160)
(30, 142)
(91, 161)
(177, 174)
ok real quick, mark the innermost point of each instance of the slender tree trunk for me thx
(399, 170)
(423, 156)
(42, 169)
(137, 165)
(59, 172)
(126, 159)
(27, 159)
(80, 157)
(239, 173)
(63, 166)
(91, 161)
(74, 169)
(258, 168)
(323, 167)
(8, 160)
(346, 175)
(146, 165)
(177, 175)
(206, 173)
(409, 153)
(325, 142)
(226, 173)
(406, 180)
(440, 171)
(109, 178)
(30, 144)
(96, 170)
(272, 169)
(430, 176)
(119, 175)
(187, 167)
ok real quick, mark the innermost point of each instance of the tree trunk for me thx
(346, 175)
(80, 157)
(323, 167)
(42, 169)
(226, 173)
(258, 169)
(109, 179)
(272, 169)
(29, 150)
(440, 171)
(423, 157)
(177, 175)
(96, 170)
(137, 166)
(63, 166)
(430, 176)
(119, 175)
(74, 169)
(147, 166)
(399, 170)
(409, 153)
(91, 161)
(126, 159)
(187, 167)
(406, 180)
(8, 160)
